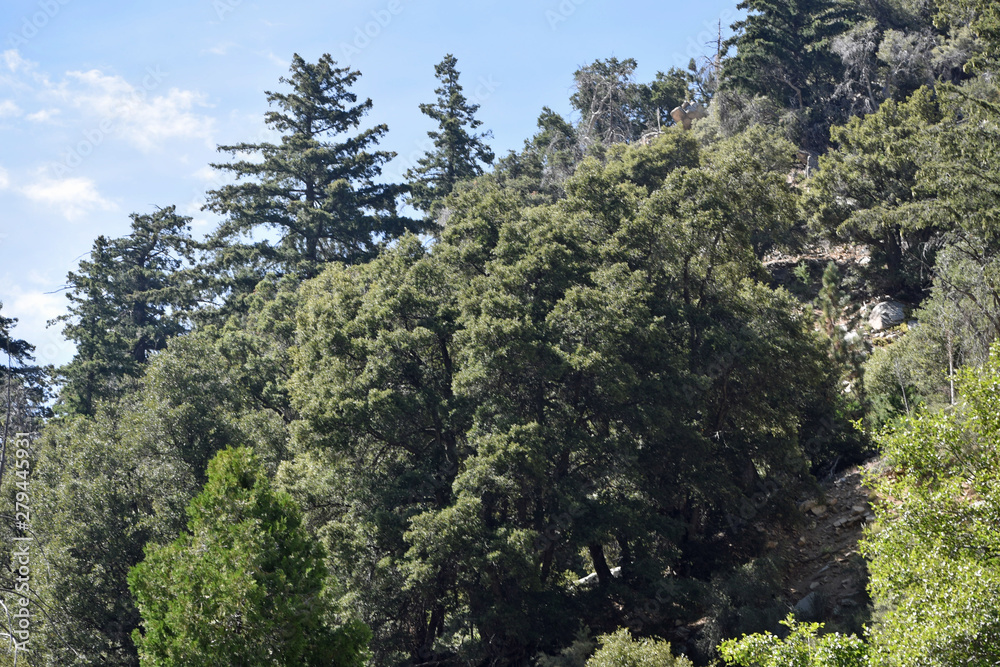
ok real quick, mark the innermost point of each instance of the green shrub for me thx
(803, 647)
(621, 650)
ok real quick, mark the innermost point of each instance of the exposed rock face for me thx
(687, 113)
(886, 315)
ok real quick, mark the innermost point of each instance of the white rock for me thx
(886, 315)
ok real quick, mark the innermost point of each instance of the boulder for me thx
(688, 112)
(808, 607)
(886, 315)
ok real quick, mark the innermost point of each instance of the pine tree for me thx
(245, 586)
(613, 108)
(457, 154)
(21, 364)
(126, 301)
(319, 194)
(783, 49)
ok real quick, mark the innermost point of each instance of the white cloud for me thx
(73, 197)
(144, 112)
(4, 179)
(220, 49)
(43, 116)
(13, 60)
(147, 121)
(9, 108)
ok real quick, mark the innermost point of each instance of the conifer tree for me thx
(126, 301)
(21, 364)
(320, 194)
(457, 154)
(244, 586)
(783, 49)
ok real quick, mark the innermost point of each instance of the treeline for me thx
(544, 413)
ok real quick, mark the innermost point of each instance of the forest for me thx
(543, 408)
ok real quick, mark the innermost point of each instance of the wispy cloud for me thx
(144, 113)
(9, 108)
(72, 197)
(221, 49)
(4, 179)
(146, 120)
(43, 116)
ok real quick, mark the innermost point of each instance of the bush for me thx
(803, 647)
(621, 650)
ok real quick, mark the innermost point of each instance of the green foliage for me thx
(244, 586)
(621, 650)
(783, 49)
(102, 488)
(549, 391)
(743, 600)
(610, 102)
(803, 647)
(983, 17)
(19, 370)
(457, 154)
(933, 552)
(123, 477)
(321, 196)
(866, 189)
(126, 302)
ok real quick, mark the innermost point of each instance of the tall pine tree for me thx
(457, 153)
(320, 195)
(126, 301)
(783, 49)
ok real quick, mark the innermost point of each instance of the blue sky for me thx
(110, 107)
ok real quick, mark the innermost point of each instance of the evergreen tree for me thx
(244, 587)
(126, 301)
(457, 154)
(320, 195)
(783, 49)
(613, 108)
(20, 367)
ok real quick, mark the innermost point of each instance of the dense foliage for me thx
(556, 429)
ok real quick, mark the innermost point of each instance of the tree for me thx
(246, 584)
(320, 195)
(934, 550)
(983, 17)
(127, 300)
(548, 392)
(457, 154)
(28, 382)
(803, 647)
(122, 477)
(621, 650)
(866, 189)
(613, 108)
(783, 50)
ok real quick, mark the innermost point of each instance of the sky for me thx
(113, 107)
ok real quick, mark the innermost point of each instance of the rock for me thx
(859, 509)
(886, 315)
(819, 510)
(807, 505)
(814, 585)
(688, 112)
